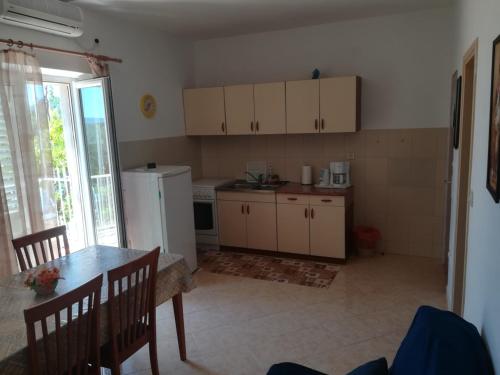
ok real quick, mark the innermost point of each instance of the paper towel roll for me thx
(306, 175)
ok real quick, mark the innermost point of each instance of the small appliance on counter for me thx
(338, 176)
(306, 175)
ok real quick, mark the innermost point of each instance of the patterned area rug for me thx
(262, 267)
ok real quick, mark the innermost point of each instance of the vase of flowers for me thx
(43, 280)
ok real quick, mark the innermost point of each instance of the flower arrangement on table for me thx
(43, 280)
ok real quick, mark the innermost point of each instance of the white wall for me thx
(152, 63)
(480, 19)
(404, 61)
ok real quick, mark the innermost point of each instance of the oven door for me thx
(205, 217)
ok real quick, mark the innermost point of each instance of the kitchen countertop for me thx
(296, 188)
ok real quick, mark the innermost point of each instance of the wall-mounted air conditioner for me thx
(50, 16)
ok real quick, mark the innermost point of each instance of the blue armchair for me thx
(437, 343)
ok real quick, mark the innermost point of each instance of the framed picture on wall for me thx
(457, 102)
(494, 141)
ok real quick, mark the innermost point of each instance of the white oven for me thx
(205, 210)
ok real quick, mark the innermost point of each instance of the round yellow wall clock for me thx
(148, 106)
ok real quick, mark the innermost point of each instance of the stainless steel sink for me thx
(252, 187)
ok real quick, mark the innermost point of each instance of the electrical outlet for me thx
(351, 156)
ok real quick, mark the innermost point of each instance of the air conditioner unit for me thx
(50, 16)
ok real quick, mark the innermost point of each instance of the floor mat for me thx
(271, 268)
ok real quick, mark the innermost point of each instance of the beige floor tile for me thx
(238, 326)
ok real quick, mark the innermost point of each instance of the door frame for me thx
(449, 176)
(464, 195)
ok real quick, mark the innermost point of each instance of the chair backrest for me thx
(68, 326)
(131, 304)
(41, 247)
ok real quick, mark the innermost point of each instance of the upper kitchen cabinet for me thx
(270, 113)
(340, 105)
(204, 111)
(302, 106)
(239, 109)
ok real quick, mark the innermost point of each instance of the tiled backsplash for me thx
(177, 151)
(398, 176)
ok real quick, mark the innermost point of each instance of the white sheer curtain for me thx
(26, 203)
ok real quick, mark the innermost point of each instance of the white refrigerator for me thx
(158, 206)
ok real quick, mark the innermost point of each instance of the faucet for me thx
(258, 180)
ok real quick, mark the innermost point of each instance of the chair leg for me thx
(115, 369)
(179, 325)
(153, 355)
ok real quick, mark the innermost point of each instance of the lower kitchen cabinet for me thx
(261, 226)
(317, 225)
(293, 228)
(312, 224)
(244, 223)
(232, 223)
(327, 231)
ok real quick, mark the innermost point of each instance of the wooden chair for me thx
(41, 247)
(72, 347)
(132, 311)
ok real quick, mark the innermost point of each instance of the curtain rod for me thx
(21, 44)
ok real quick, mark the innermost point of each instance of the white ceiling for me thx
(204, 19)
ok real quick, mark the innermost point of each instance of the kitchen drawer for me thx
(267, 197)
(293, 198)
(326, 200)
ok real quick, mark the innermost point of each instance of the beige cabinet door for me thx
(204, 111)
(261, 226)
(339, 104)
(232, 223)
(270, 113)
(239, 109)
(293, 228)
(328, 231)
(302, 106)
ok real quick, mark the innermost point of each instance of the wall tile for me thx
(376, 202)
(376, 171)
(377, 143)
(312, 145)
(276, 146)
(397, 175)
(358, 172)
(422, 201)
(399, 144)
(293, 145)
(293, 169)
(258, 147)
(355, 143)
(335, 146)
(399, 172)
(210, 167)
(423, 172)
(424, 143)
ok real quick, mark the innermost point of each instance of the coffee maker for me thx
(340, 174)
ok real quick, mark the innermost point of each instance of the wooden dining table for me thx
(173, 279)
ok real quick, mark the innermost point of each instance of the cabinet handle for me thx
(257, 126)
(248, 209)
(316, 124)
(223, 127)
(312, 213)
(326, 200)
(305, 213)
(243, 209)
(251, 125)
(323, 123)
(291, 199)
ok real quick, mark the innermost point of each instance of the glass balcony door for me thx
(100, 182)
